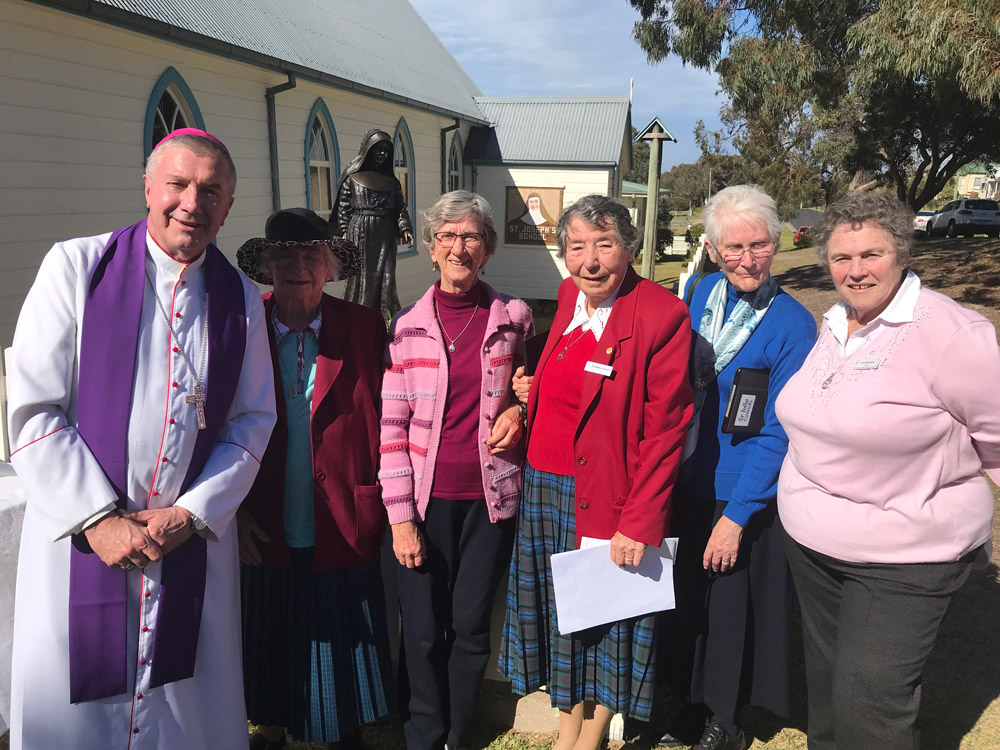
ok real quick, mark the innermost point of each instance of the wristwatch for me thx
(197, 525)
(523, 408)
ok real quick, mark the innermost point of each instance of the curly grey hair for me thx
(883, 211)
(747, 203)
(455, 206)
(198, 145)
(603, 212)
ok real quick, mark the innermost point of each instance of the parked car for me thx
(922, 221)
(803, 236)
(966, 217)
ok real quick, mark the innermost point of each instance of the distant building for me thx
(970, 180)
(549, 153)
(991, 187)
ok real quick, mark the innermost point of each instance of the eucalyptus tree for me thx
(809, 109)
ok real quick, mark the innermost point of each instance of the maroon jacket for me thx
(630, 426)
(349, 514)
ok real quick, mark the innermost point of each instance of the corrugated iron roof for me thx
(383, 45)
(558, 130)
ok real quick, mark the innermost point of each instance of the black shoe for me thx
(669, 742)
(682, 729)
(715, 738)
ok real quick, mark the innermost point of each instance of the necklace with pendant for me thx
(293, 389)
(451, 341)
(572, 341)
(198, 397)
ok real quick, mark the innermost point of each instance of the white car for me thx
(920, 221)
(966, 217)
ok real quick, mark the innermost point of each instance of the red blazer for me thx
(631, 426)
(344, 432)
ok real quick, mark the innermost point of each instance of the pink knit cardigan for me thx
(414, 391)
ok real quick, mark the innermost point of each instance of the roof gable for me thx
(377, 48)
(582, 131)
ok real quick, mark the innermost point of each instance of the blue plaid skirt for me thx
(315, 648)
(612, 665)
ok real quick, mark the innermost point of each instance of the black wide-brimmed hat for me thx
(297, 226)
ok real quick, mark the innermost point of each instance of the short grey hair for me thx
(267, 258)
(198, 145)
(602, 212)
(455, 206)
(749, 203)
(887, 213)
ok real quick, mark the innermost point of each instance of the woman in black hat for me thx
(315, 648)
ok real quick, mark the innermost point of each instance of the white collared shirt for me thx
(596, 322)
(281, 330)
(899, 310)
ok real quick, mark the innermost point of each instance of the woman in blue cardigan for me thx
(727, 644)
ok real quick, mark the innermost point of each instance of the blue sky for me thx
(574, 48)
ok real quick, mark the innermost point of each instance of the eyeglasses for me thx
(471, 240)
(310, 259)
(735, 253)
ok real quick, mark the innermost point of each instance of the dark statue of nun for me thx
(371, 213)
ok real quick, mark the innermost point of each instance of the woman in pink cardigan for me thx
(451, 468)
(891, 421)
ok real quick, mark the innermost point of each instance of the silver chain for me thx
(451, 341)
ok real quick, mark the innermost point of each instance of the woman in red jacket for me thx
(607, 415)
(315, 648)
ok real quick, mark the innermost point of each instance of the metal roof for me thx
(582, 131)
(379, 48)
(637, 188)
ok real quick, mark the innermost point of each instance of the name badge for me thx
(598, 369)
(866, 364)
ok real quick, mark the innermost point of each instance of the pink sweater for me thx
(414, 392)
(884, 465)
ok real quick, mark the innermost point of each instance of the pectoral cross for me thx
(198, 399)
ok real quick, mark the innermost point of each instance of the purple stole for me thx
(109, 339)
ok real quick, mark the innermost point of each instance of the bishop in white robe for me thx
(136, 656)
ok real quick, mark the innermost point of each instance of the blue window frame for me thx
(171, 105)
(456, 164)
(404, 168)
(322, 160)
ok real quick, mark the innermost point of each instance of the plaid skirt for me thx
(315, 648)
(612, 665)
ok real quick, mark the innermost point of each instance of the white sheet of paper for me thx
(591, 590)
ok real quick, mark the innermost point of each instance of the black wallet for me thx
(747, 399)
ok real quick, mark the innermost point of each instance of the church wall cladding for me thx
(73, 99)
(532, 270)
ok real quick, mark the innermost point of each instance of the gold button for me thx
(608, 350)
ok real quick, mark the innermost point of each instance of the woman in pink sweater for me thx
(451, 468)
(891, 421)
